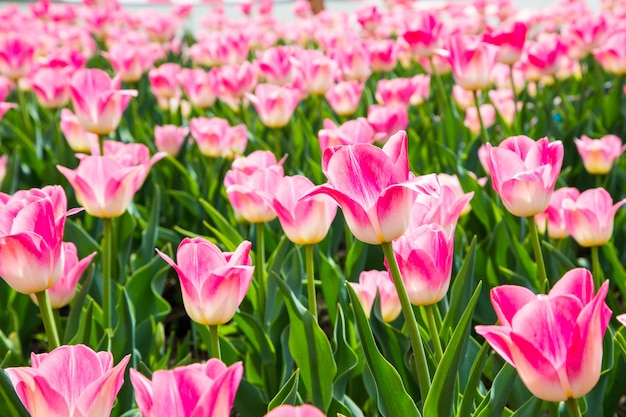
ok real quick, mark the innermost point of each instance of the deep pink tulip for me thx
(554, 215)
(374, 187)
(471, 60)
(131, 61)
(275, 105)
(351, 132)
(387, 120)
(16, 57)
(213, 283)
(170, 138)
(51, 87)
(423, 37)
(78, 138)
(105, 185)
(200, 86)
(344, 97)
(599, 155)
(287, 410)
(524, 172)
(69, 381)
(611, 54)
(63, 291)
(378, 282)
(510, 38)
(199, 389)
(589, 217)
(31, 234)
(544, 57)
(383, 55)
(216, 138)
(584, 34)
(305, 222)
(98, 100)
(164, 80)
(554, 341)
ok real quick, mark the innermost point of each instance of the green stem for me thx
(21, 98)
(596, 267)
(541, 268)
(101, 139)
(242, 112)
(572, 407)
(310, 280)
(215, 341)
(483, 131)
(278, 149)
(512, 80)
(434, 331)
(107, 265)
(421, 368)
(48, 319)
(259, 270)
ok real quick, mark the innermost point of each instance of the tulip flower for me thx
(3, 167)
(164, 81)
(599, 155)
(69, 381)
(543, 57)
(554, 215)
(276, 65)
(351, 132)
(78, 138)
(286, 410)
(589, 216)
(274, 104)
(344, 97)
(396, 91)
(234, 81)
(387, 120)
(383, 55)
(472, 61)
(378, 282)
(199, 389)
(318, 70)
(131, 61)
(216, 138)
(213, 283)
(98, 100)
(555, 340)
(472, 119)
(16, 56)
(199, 85)
(170, 138)
(510, 38)
(422, 39)
(611, 54)
(353, 60)
(63, 291)
(524, 173)
(52, 87)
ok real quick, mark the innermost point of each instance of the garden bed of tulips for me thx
(413, 210)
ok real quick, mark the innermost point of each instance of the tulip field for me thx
(414, 209)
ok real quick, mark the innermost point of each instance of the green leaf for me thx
(83, 332)
(345, 357)
(230, 237)
(438, 400)
(256, 337)
(473, 380)
(393, 400)
(288, 393)
(494, 402)
(150, 232)
(310, 349)
(531, 408)
(76, 309)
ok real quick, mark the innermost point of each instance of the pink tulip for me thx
(305, 222)
(78, 138)
(318, 71)
(52, 87)
(544, 56)
(206, 389)
(421, 84)
(69, 381)
(164, 80)
(344, 97)
(276, 65)
(213, 283)
(555, 340)
(353, 60)
(373, 187)
(3, 167)
(504, 102)
(170, 138)
(462, 97)
(622, 319)
(378, 282)
(611, 54)
(275, 105)
(589, 216)
(351, 132)
(287, 410)
(234, 81)
(216, 138)
(16, 57)
(599, 155)
(423, 38)
(302, 9)
(396, 91)
(524, 173)
(105, 185)
(387, 120)
(131, 61)
(472, 122)
(31, 234)
(383, 55)
(472, 61)
(554, 214)
(98, 100)
(63, 291)
(584, 34)
(199, 85)
(510, 38)
(451, 198)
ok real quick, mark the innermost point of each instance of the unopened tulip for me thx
(554, 215)
(510, 38)
(318, 70)
(353, 61)
(216, 138)
(164, 80)
(422, 38)
(170, 138)
(383, 55)
(275, 105)
(213, 283)
(200, 86)
(276, 65)
(131, 61)
(555, 340)
(344, 97)
(387, 120)
(373, 187)
(599, 155)
(471, 60)
(52, 87)
(378, 282)
(589, 216)
(472, 121)
(396, 91)
(16, 56)
(611, 54)
(206, 389)
(351, 132)
(78, 138)
(524, 173)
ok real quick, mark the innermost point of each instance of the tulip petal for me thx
(507, 300)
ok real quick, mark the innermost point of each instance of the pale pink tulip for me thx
(63, 291)
(164, 80)
(351, 132)
(276, 65)
(471, 60)
(622, 319)
(396, 91)
(305, 222)
(462, 97)
(387, 120)
(69, 381)
(554, 215)
(274, 104)
(383, 55)
(170, 138)
(51, 87)
(421, 83)
(78, 138)
(353, 60)
(369, 17)
(589, 217)
(16, 57)
(318, 70)
(131, 61)
(31, 235)
(472, 122)
(286, 410)
(524, 173)
(374, 188)
(599, 155)
(510, 38)
(216, 138)
(302, 9)
(543, 57)
(213, 283)
(611, 54)
(3, 167)
(200, 86)
(206, 389)
(504, 103)
(98, 100)
(555, 340)
(378, 282)
(344, 97)
(451, 197)
(584, 34)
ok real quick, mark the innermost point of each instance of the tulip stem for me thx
(215, 341)
(596, 267)
(259, 270)
(421, 366)
(512, 80)
(434, 331)
(572, 407)
(310, 280)
(101, 139)
(107, 259)
(48, 319)
(483, 131)
(21, 98)
(541, 267)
